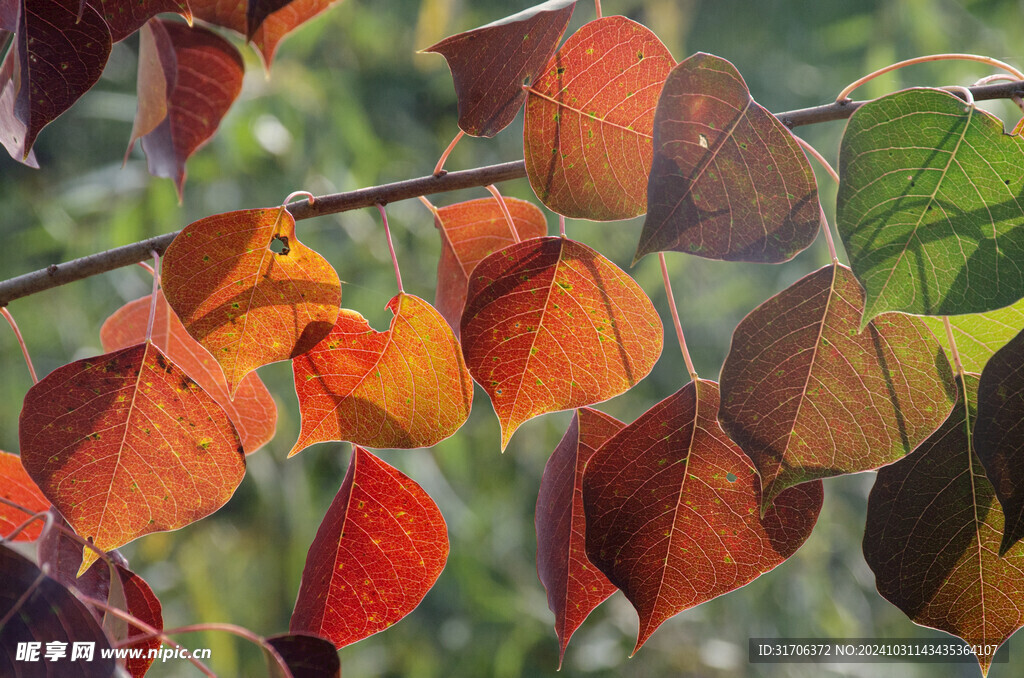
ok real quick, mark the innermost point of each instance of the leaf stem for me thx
(952, 348)
(391, 248)
(152, 301)
(42, 515)
(21, 342)
(310, 198)
(504, 210)
(561, 225)
(146, 266)
(813, 152)
(597, 6)
(429, 205)
(675, 317)
(845, 94)
(439, 167)
(827, 230)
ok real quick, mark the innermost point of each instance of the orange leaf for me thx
(407, 387)
(246, 304)
(551, 325)
(125, 444)
(17, 487)
(253, 411)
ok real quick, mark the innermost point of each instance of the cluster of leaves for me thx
(707, 490)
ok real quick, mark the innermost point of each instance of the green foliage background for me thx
(350, 104)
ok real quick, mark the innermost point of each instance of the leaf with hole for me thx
(930, 205)
(379, 549)
(552, 325)
(728, 180)
(403, 388)
(248, 291)
(574, 585)
(17, 487)
(252, 411)
(806, 396)
(491, 64)
(587, 132)
(979, 335)
(470, 231)
(154, 451)
(672, 507)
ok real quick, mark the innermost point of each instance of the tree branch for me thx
(56, 275)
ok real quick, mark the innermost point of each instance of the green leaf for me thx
(979, 335)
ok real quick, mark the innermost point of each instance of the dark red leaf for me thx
(574, 585)
(491, 64)
(728, 180)
(17, 487)
(12, 130)
(124, 17)
(307, 656)
(379, 549)
(672, 508)
(258, 10)
(141, 603)
(63, 556)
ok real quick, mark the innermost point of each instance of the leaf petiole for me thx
(504, 210)
(845, 94)
(21, 342)
(675, 317)
(152, 302)
(391, 248)
(439, 167)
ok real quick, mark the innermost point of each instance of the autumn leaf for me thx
(979, 335)
(574, 585)
(933, 532)
(728, 180)
(155, 451)
(589, 117)
(124, 17)
(305, 655)
(245, 303)
(952, 242)
(403, 388)
(552, 325)
(252, 411)
(806, 396)
(17, 487)
(379, 549)
(200, 77)
(672, 508)
(491, 64)
(12, 130)
(470, 231)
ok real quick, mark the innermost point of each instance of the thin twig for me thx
(845, 94)
(21, 342)
(675, 318)
(391, 248)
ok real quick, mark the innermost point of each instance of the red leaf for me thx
(124, 17)
(574, 585)
(62, 556)
(403, 388)
(247, 305)
(154, 450)
(672, 510)
(258, 10)
(379, 549)
(17, 487)
(587, 137)
(306, 656)
(932, 539)
(470, 231)
(806, 396)
(252, 412)
(728, 180)
(142, 604)
(12, 131)
(202, 76)
(491, 64)
(551, 325)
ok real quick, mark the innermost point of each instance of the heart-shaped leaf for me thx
(17, 487)
(379, 549)
(552, 325)
(124, 17)
(307, 656)
(404, 388)
(806, 396)
(932, 539)
(587, 135)
(979, 335)
(930, 205)
(470, 231)
(245, 303)
(253, 411)
(491, 64)
(728, 180)
(574, 585)
(154, 450)
(672, 508)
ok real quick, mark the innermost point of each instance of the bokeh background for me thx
(349, 103)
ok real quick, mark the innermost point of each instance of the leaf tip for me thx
(88, 558)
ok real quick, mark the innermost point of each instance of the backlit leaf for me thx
(202, 74)
(245, 303)
(253, 411)
(979, 335)
(932, 539)
(930, 205)
(672, 510)
(12, 130)
(124, 17)
(806, 396)
(491, 64)
(154, 451)
(999, 434)
(379, 549)
(307, 656)
(728, 180)
(552, 325)
(587, 136)
(17, 487)
(142, 604)
(403, 388)
(257, 11)
(574, 585)
(469, 232)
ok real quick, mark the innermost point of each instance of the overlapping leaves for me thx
(979, 335)
(18, 488)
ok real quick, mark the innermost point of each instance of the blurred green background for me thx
(348, 104)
